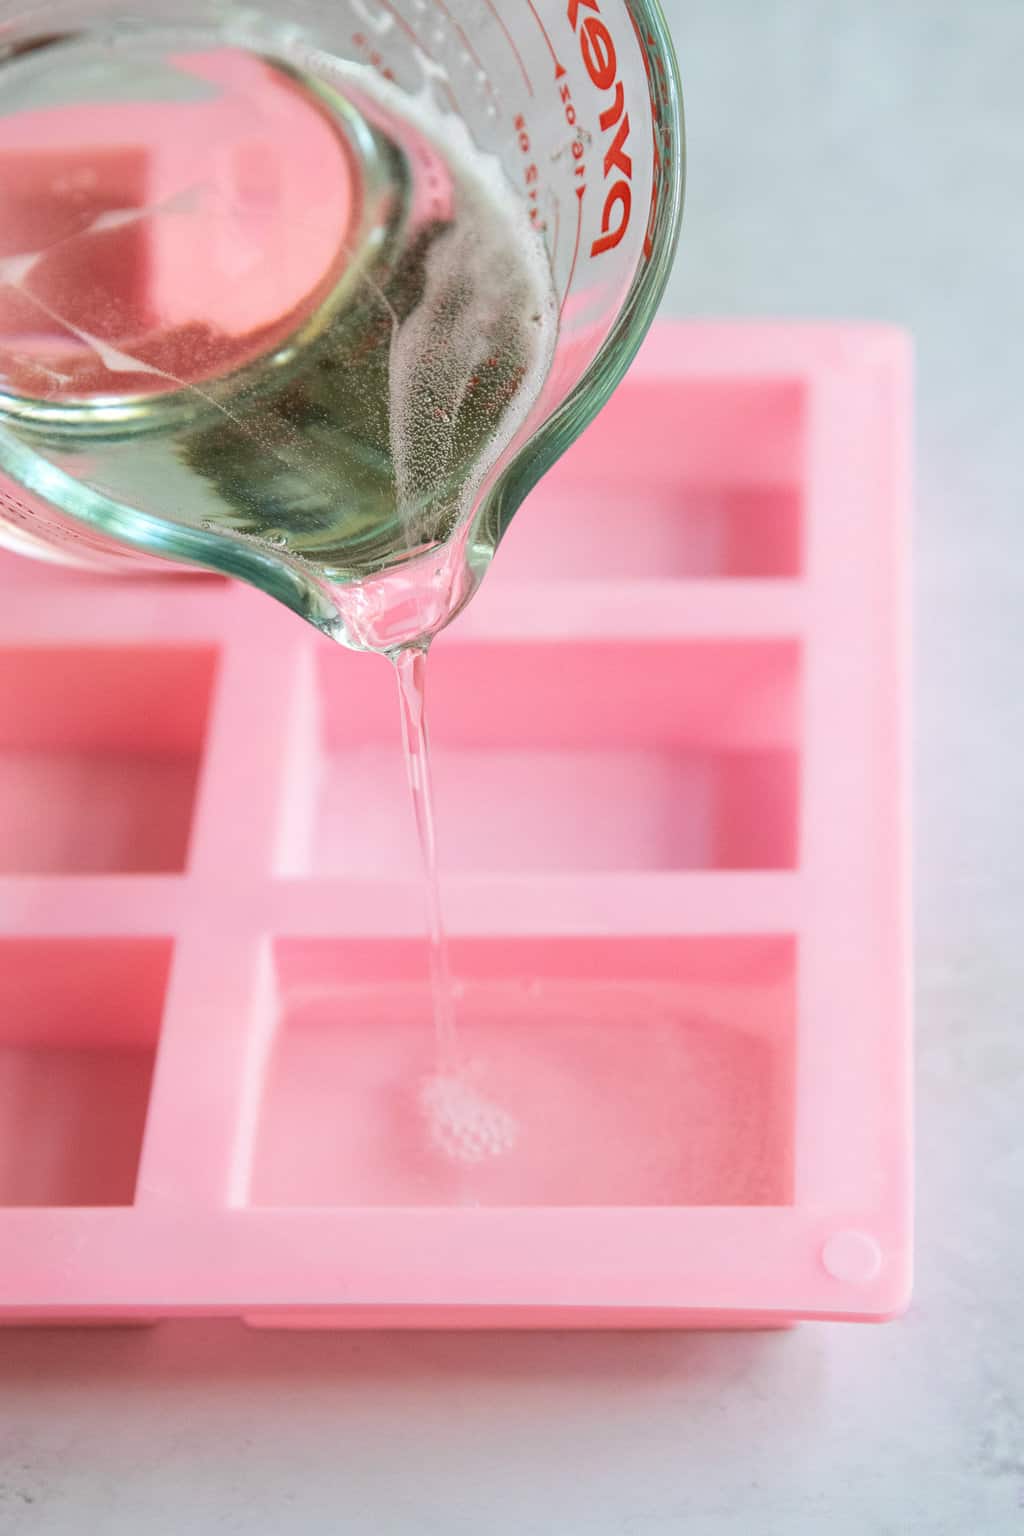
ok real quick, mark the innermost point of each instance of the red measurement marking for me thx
(511, 42)
(576, 248)
(559, 71)
(531, 174)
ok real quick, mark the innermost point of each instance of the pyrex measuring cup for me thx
(577, 99)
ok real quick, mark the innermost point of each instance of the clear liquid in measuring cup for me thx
(277, 299)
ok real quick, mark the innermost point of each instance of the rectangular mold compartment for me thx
(702, 480)
(595, 1072)
(558, 758)
(79, 1024)
(99, 757)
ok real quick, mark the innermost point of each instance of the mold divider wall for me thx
(849, 1137)
(111, 611)
(215, 998)
(239, 808)
(649, 611)
(520, 906)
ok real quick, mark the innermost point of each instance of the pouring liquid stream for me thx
(462, 1123)
(410, 670)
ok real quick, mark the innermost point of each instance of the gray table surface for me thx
(847, 159)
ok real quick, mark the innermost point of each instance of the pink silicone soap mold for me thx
(671, 783)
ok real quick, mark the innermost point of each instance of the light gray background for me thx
(860, 158)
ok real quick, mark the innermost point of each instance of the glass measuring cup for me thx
(579, 104)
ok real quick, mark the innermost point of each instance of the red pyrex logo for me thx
(599, 58)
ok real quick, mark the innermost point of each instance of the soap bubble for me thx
(462, 1123)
